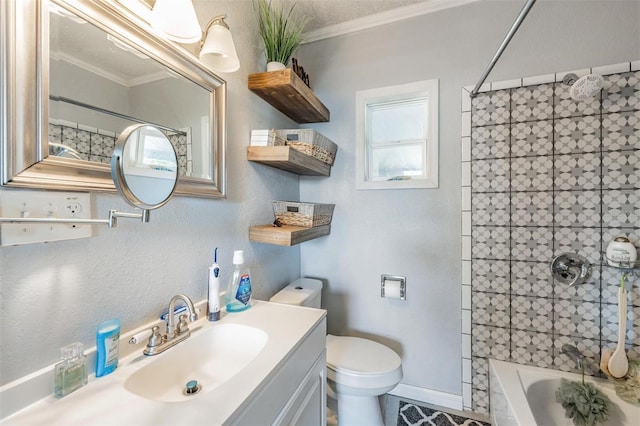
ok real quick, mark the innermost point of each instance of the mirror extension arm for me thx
(112, 221)
(148, 184)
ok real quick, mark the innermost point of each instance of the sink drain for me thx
(191, 388)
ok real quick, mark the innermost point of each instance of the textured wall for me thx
(417, 232)
(57, 293)
(53, 294)
(550, 175)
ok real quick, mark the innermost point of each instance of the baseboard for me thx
(430, 396)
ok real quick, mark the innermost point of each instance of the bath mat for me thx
(415, 415)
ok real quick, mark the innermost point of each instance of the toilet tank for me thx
(301, 292)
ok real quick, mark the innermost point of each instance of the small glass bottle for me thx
(71, 371)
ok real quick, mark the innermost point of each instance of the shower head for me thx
(584, 87)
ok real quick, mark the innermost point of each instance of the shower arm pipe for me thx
(514, 28)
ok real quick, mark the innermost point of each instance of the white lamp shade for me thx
(218, 50)
(177, 20)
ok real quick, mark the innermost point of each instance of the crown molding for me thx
(126, 82)
(393, 15)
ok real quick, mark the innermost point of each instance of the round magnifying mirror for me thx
(144, 166)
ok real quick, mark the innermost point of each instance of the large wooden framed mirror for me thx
(76, 73)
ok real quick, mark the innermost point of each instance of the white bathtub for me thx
(521, 395)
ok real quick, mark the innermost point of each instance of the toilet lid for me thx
(360, 356)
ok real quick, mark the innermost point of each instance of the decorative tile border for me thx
(541, 175)
(96, 145)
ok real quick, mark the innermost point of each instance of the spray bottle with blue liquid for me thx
(239, 288)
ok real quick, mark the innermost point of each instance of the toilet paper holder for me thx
(396, 281)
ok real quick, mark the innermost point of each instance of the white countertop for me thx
(105, 401)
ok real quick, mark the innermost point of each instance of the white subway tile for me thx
(466, 149)
(486, 87)
(465, 100)
(635, 65)
(466, 198)
(67, 123)
(466, 321)
(466, 297)
(466, 273)
(506, 84)
(539, 79)
(87, 128)
(107, 133)
(612, 69)
(466, 248)
(579, 73)
(466, 370)
(466, 346)
(466, 124)
(466, 223)
(466, 173)
(466, 395)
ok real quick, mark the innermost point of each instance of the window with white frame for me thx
(397, 136)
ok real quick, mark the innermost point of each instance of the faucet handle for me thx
(156, 338)
(183, 326)
(155, 341)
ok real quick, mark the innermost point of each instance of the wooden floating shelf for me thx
(286, 92)
(286, 235)
(289, 159)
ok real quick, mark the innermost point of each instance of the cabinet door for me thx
(307, 407)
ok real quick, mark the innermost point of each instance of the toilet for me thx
(358, 370)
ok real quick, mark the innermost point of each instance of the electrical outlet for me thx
(73, 208)
(33, 204)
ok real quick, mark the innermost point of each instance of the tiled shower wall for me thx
(543, 175)
(97, 145)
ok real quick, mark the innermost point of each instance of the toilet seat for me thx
(363, 363)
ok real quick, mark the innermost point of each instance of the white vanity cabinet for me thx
(283, 385)
(295, 394)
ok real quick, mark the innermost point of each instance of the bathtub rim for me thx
(515, 379)
(506, 373)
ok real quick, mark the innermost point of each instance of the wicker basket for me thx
(311, 143)
(307, 215)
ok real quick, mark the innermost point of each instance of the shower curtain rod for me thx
(523, 13)
(113, 113)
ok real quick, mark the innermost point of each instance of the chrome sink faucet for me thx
(175, 334)
(171, 328)
(573, 353)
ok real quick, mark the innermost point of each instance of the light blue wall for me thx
(54, 294)
(416, 232)
(57, 293)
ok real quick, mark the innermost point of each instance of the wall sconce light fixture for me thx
(177, 20)
(217, 48)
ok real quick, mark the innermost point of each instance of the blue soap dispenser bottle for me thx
(107, 347)
(239, 288)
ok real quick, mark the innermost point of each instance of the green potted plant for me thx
(281, 32)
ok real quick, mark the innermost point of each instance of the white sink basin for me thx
(211, 357)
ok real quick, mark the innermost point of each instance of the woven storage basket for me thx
(311, 143)
(276, 140)
(307, 215)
